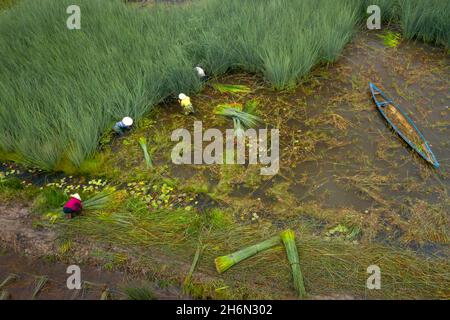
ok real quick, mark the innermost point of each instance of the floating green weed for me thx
(391, 39)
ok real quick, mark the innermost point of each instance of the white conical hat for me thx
(200, 72)
(182, 96)
(76, 196)
(127, 121)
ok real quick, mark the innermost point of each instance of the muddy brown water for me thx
(416, 76)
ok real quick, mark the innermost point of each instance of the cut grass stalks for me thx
(148, 160)
(41, 281)
(9, 279)
(332, 266)
(198, 252)
(224, 263)
(242, 119)
(139, 293)
(5, 295)
(231, 88)
(288, 238)
(106, 294)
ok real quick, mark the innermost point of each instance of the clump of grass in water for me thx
(139, 293)
(391, 39)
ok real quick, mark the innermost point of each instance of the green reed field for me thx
(61, 89)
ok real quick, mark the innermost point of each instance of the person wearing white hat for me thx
(73, 207)
(185, 103)
(122, 126)
(201, 73)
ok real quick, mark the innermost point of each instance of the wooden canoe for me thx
(403, 125)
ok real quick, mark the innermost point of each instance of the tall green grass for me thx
(282, 39)
(61, 89)
(427, 20)
(4, 4)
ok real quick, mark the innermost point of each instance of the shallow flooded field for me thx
(337, 152)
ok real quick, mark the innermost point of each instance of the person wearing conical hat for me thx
(73, 207)
(185, 103)
(123, 126)
(201, 73)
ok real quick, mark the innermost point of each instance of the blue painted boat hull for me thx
(383, 102)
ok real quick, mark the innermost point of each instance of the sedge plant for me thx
(99, 201)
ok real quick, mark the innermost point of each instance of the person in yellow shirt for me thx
(185, 103)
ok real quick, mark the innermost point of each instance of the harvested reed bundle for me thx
(242, 117)
(248, 120)
(231, 88)
(226, 262)
(288, 238)
(148, 160)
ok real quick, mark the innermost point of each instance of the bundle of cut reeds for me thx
(288, 238)
(148, 160)
(226, 262)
